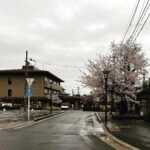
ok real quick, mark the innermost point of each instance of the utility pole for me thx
(72, 92)
(26, 76)
(78, 90)
(26, 61)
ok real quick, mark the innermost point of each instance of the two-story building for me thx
(13, 83)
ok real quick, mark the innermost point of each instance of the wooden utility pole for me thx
(25, 81)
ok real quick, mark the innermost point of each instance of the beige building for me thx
(13, 83)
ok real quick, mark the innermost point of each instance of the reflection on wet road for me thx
(70, 131)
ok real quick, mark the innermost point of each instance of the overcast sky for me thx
(63, 32)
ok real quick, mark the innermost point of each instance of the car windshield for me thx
(64, 104)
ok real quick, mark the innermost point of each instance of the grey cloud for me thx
(60, 31)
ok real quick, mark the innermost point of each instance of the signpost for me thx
(29, 94)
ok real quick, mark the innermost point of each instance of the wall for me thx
(18, 86)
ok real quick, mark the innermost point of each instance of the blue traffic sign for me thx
(29, 92)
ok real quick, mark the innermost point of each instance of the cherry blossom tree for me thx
(126, 63)
(129, 65)
(93, 77)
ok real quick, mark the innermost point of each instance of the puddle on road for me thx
(85, 132)
(86, 126)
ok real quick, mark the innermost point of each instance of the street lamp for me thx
(106, 72)
(112, 97)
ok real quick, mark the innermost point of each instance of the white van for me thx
(64, 106)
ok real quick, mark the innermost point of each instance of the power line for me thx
(137, 28)
(142, 9)
(58, 65)
(131, 20)
(139, 22)
(141, 28)
(142, 25)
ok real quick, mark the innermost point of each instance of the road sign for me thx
(29, 81)
(28, 92)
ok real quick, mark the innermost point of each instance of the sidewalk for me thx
(16, 118)
(133, 132)
(102, 133)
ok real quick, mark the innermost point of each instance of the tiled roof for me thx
(34, 71)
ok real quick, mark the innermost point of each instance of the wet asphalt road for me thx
(70, 131)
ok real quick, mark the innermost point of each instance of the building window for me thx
(56, 83)
(46, 79)
(49, 91)
(55, 92)
(45, 91)
(9, 92)
(9, 81)
(50, 81)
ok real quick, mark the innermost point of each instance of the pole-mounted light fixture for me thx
(106, 72)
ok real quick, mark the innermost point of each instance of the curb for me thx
(46, 116)
(17, 126)
(36, 120)
(130, 147)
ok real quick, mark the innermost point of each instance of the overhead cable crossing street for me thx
(57, 65)
(138, 20)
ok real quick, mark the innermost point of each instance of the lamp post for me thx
(106, 72)
(143, 79)
(112, 97)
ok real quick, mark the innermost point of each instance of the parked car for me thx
(64, 106)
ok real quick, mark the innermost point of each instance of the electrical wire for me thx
(131, 20)
(139, 22)
(135, 37)
(58, 65)
(139, 25)
(141, 28)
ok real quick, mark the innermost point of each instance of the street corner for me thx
(108, 137)
(98, 127)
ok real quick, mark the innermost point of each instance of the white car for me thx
(64, 106)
